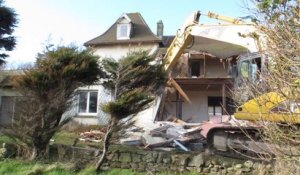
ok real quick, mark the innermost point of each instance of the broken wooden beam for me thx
(179, 89)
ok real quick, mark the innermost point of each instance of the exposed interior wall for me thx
(198, 110)
(214, 68)
(195, 112)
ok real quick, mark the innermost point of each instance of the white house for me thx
(129, 33)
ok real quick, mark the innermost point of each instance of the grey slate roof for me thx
(141, 33)
(167, 40)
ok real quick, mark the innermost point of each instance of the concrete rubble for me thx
(169, 135)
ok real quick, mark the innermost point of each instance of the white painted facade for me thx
(118, 51)
(93, 118)
(112, 51)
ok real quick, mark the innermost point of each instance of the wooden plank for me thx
(212, 81)
(162, 105)
(175, 120)
(178, 106)
(224, 98)
(204, 67)
(158, 144)
(181, 145)
(179, 89)
(160, 129)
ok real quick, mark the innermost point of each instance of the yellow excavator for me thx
(224, 41)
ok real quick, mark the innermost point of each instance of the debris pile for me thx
(92, 136)
(171, 135)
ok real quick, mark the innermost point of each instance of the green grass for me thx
(62, 137)
(68, 138)
(65, 138)
(21, 167)
(5, 139)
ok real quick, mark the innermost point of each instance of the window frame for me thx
(119, 31)
(87, 108)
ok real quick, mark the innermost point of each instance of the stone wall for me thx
(157, 161)
(162, 161)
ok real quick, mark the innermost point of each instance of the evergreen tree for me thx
(134, 82)
(8, 22)
(47, 91)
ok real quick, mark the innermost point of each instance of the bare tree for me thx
(278, 24)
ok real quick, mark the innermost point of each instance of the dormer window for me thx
(123, 31)
(124, 28)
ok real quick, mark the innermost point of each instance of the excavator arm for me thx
(222, 45)
(179, 44)
(223, 41)
(182, 40)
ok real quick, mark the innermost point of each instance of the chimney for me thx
(160, 29)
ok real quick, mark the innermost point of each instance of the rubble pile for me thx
(171, 135)
(92, 136)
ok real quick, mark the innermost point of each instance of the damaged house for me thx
(207, 83)
(206, 63)
(201, 67)
(202, 61)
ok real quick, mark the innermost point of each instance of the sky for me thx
(65, 22)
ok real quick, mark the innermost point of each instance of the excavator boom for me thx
(221, 40)
(181, 41)
(225, 18)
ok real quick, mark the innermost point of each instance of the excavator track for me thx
(237, 142)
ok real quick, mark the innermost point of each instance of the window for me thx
(214, 106)
(251, 69)
(123, 31)
(195, 68)
(88, 102)
(256, 69)
(245, 69)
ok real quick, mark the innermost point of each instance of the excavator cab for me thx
(250, 68)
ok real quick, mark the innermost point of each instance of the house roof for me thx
(6, 88)
(141, 33)
(6, 77)
(167, 40)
